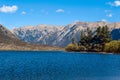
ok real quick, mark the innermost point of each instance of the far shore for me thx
(31, 50)
(93, 52)
(86, 52)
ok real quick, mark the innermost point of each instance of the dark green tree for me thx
(102, 36)
(98, 31)
(74, 41)
(107, 34)
(93, 41)
(89, 36)
(82, 38)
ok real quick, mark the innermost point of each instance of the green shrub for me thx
(71, 47)
(75, 47)
(113, 46)
(82, 48)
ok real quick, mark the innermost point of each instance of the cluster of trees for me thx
(92, 40)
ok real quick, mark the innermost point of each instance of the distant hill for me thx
(58, 35)
(6, 36)
(8, 41)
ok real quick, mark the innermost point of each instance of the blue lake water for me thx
(58, 65)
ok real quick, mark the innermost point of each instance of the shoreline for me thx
(80, 52)
(32, 50)
(93, 52)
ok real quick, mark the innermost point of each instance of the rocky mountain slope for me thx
(8, 41)
(116, 34)
(6, 36)
(58, 35)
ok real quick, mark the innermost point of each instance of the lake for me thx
(58, 65)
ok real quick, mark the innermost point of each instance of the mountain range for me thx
(61, 35)
(8, 41)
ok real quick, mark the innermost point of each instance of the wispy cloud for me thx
(60, 11)
(8, 9)
(106, 11)
(104, 20)
(45, 12)
(23, 12)
(110, 15)
(115, 3)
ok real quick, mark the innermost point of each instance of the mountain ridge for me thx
(58, 35)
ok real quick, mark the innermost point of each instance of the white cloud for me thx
(104, 20)
(106, 11)
(60, 10)
(8, 9)
(110, 3)
(110, 15)
(115, 3)
(23, 12)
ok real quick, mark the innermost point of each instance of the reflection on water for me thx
(56, 65)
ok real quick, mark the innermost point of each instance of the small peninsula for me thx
(97, 41)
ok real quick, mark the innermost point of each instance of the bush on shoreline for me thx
(73, 47)
(113, 46)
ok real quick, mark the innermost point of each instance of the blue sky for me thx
(17, 13)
